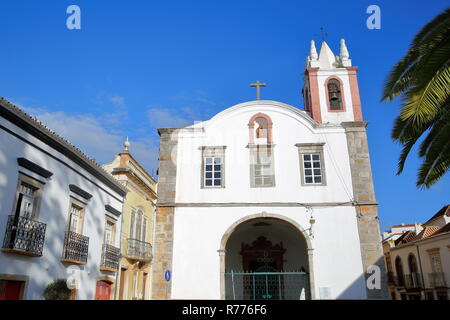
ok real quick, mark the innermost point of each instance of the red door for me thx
(11, 290)
(103, 291)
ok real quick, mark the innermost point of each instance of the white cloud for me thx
(165, 118)
(117, 100)
(95, 138)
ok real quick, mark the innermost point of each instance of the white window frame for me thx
(311, 150)
(213, 156)
(312, 163)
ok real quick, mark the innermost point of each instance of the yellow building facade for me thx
(136, 235)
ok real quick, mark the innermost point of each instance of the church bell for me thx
(334, 96)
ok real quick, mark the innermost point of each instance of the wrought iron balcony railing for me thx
(110, 257)
(76, 248)
(399, 281)
(24, 236)
(139, 250)
(413, 281)
(390, 278)
(437, 279)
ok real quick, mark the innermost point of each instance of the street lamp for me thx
(312, 221)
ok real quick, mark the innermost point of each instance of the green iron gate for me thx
(267, 286)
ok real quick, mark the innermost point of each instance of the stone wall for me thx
(366, 205)
(163, 246)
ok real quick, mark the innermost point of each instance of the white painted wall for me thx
(198, 230)
(230, 129)
(54, 212)
(198, 233)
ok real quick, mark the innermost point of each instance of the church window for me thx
(334, 94)
(261, 167)
(213, 167)
(213, 171)
(311, 164)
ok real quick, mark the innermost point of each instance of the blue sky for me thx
(138, 65)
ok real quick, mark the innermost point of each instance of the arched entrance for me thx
(266, 256)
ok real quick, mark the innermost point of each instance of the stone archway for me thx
(260, 218)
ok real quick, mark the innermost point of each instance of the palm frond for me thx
(407, 134)
(437, 161)
(418, 61)
(440, 123)
(423, 105)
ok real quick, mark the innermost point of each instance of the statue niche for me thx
(260, 129)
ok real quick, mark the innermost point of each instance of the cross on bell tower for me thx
(323, 34)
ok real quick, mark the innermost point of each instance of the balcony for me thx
(110, 258)
(24, 236)
(437, 280)
(399, 281)
(390, 278)
(139, 250)
(413, 281)
(75, 248)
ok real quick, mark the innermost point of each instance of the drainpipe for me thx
(421, 270)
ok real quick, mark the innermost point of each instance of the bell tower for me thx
(331, 95)
(330, 92)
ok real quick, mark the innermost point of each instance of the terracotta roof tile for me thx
(445, 211)
(406, 237)
(426, 232)
(444, 229)
(402, 225)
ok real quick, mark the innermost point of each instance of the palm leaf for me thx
(423, 105)
(436, 130)
(422, 79)
(437, 161)
(424, 46)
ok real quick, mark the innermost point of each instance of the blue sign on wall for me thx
(167, 275)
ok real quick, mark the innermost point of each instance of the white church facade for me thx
(269, 201)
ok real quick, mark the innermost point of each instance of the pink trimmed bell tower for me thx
(330, 92)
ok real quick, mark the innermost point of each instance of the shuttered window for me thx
(138, 225)
(26, 200)
(75, 218)
(144, 229)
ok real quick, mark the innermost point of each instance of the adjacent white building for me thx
(59, 213)
(268, 201)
